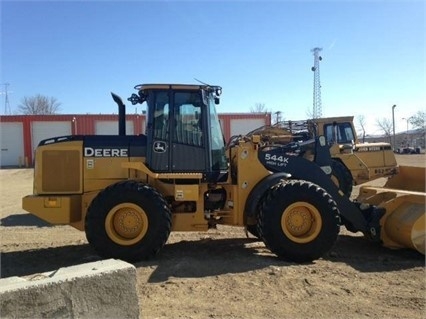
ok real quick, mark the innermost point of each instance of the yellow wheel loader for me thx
(354, 163)
(129, 192)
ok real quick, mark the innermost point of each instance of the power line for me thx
(317, 107)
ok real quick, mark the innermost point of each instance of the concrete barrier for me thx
(102, 289)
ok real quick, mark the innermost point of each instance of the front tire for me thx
(342, 177)
(298, 220)
(129, 221)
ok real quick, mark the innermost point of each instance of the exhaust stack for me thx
(121, 114)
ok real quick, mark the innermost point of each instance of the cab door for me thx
(187, 136)
(175, 127)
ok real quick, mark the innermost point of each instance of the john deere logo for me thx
(160, 147)
(105, 152)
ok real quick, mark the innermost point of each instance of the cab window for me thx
(187, 118)
(340, 133)
(161, 115)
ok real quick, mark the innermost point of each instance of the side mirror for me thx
(135, 99)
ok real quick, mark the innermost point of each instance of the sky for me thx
(373, 54)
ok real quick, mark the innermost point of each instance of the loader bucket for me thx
(404, 198)
(408, 178)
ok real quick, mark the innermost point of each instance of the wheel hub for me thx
(126, 224)
(301, 222)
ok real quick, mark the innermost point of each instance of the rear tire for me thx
(298, 220)
(129, 221)
(252, 229)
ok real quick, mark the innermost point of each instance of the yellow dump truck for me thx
(365, 161)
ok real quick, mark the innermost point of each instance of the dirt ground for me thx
(223, 274)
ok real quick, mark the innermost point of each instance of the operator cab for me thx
(183, 129)
(340, 133)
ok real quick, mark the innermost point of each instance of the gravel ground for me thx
(223, 274)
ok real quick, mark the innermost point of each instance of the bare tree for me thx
(361, 123)
(309, 113)
(419, 120)
(385, 125)
(38, 104)
(259, 108)
(276, 117)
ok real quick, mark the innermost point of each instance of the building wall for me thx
(80, 125)
(12, 143)
(88, 124)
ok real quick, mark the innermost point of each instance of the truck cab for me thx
(366, 161)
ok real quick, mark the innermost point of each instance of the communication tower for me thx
(317, 107)
(6, 99)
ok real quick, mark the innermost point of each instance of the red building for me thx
(20, 134)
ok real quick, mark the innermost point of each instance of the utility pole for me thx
(393, 124)
(406, 132)
(317, 107)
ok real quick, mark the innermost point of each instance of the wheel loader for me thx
(354, 163)
(129, 192)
